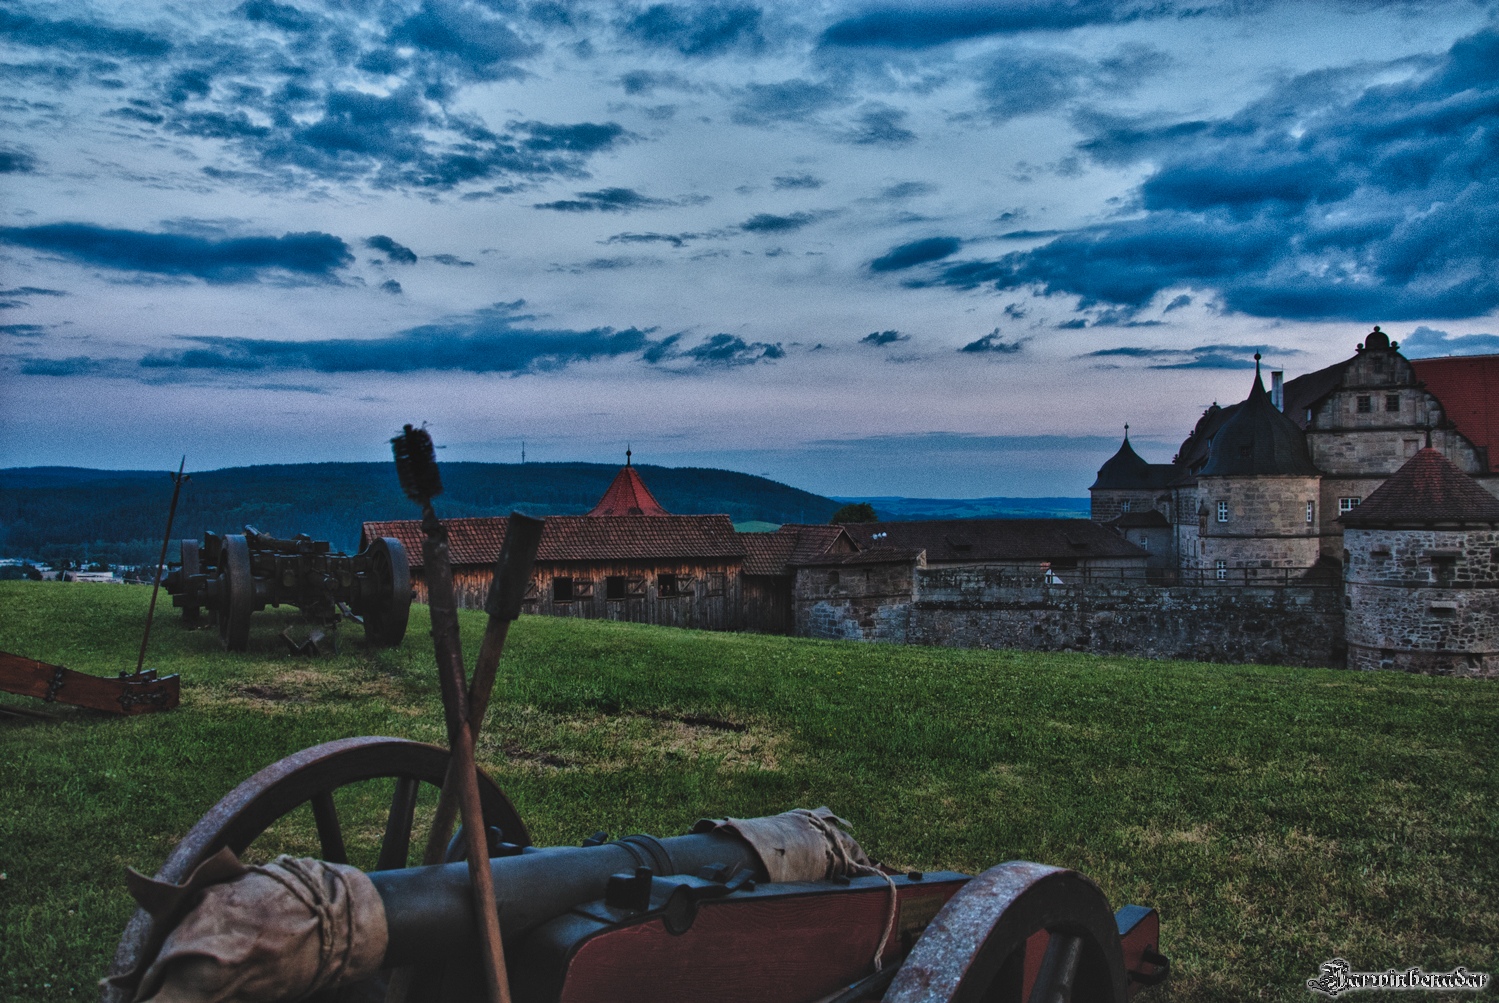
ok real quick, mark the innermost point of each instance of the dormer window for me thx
(1346, 505)
(1124, 506)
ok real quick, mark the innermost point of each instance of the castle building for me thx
(1422, 573)
(1258, 488)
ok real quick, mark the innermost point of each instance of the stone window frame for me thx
(1364, 404)
(1220, 570)
(1391, 403)
(1124, 505)
(1311, 512)
(1223, 511)
(1346, 505)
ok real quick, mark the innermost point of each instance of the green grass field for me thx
(1277, 817)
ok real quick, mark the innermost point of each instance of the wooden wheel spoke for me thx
(329, 834)
(395, 847)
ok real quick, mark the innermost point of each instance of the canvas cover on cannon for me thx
(785, 909)
(234, 575)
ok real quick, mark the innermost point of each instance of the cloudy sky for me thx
(917, 249)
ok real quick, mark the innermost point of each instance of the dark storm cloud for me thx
(791, 181)
(1329, 199)
(16, 162)
(485, 342)
(395, 253)
(279, 15)
(924, 25)
(451, 260)
(1178, 303)
(992, 342)
(786, 101)
(1026, 81)
(78, 365)
(880, 338)
(880, 125)
(1425, 342)
(75, 35)
(233, 259)
(907, 190)
(918, 252)
(22, 330)
(31, 291)
(646, 82)
(1201, 357)
(698, 29)
(765, 222)
(674, 239)
(468, 33)
(731, 350)
(606, 200)
(391, 286)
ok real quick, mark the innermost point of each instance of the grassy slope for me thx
(1277, 817)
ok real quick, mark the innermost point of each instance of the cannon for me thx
(234, 575)
(699, 916)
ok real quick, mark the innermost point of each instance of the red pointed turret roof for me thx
(628, 495)
(1429, 490)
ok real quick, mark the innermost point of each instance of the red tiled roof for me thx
(1468, 387)
(477, 541)
(1429, 489)
(628, 495)
(981, 540)
(774, 553)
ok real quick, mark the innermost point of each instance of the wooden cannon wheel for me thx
(192, 612)
(311, 777)
(236, 592)
(974, 951)
(385, 614)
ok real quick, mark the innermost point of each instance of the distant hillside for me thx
(892, 509)
(57, 513)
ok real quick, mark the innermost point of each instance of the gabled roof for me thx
(1257, 439)
(628, 495)
(1150, 519)
(995, 540)
(775, 553)
(1307, 391)
(477, 541)
(1468, 387)
(1429, 490)
(1127, 470)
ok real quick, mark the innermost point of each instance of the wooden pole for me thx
(161, 561)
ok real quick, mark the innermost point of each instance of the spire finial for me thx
(627, 454)
(1126, 431)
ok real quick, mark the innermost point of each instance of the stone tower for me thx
(1257, 493)
(1421, 558)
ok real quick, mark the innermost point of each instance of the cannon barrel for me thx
(429, 910)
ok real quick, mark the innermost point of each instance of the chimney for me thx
(1278, 390)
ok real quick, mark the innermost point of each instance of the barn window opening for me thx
(616, 587)
(1365, 405)
(668, 585)
(1392, 402)
(562, 589)
(715, 583)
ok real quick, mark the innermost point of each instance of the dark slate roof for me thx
(477, 541)
(995, 540)
(1194, 448)
(628, 495)
(1126, 470)
(1428, 490)
(1151, 519)
(776, 553)
(879, 555)
(1468, 387)
(1308, 391)
(1257, 440)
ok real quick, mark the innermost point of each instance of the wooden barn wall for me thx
(767, 604)
(696, 608)
(704, 605)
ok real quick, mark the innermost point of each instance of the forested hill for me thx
(53, 513)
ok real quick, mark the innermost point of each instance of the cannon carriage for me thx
(234, 575)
